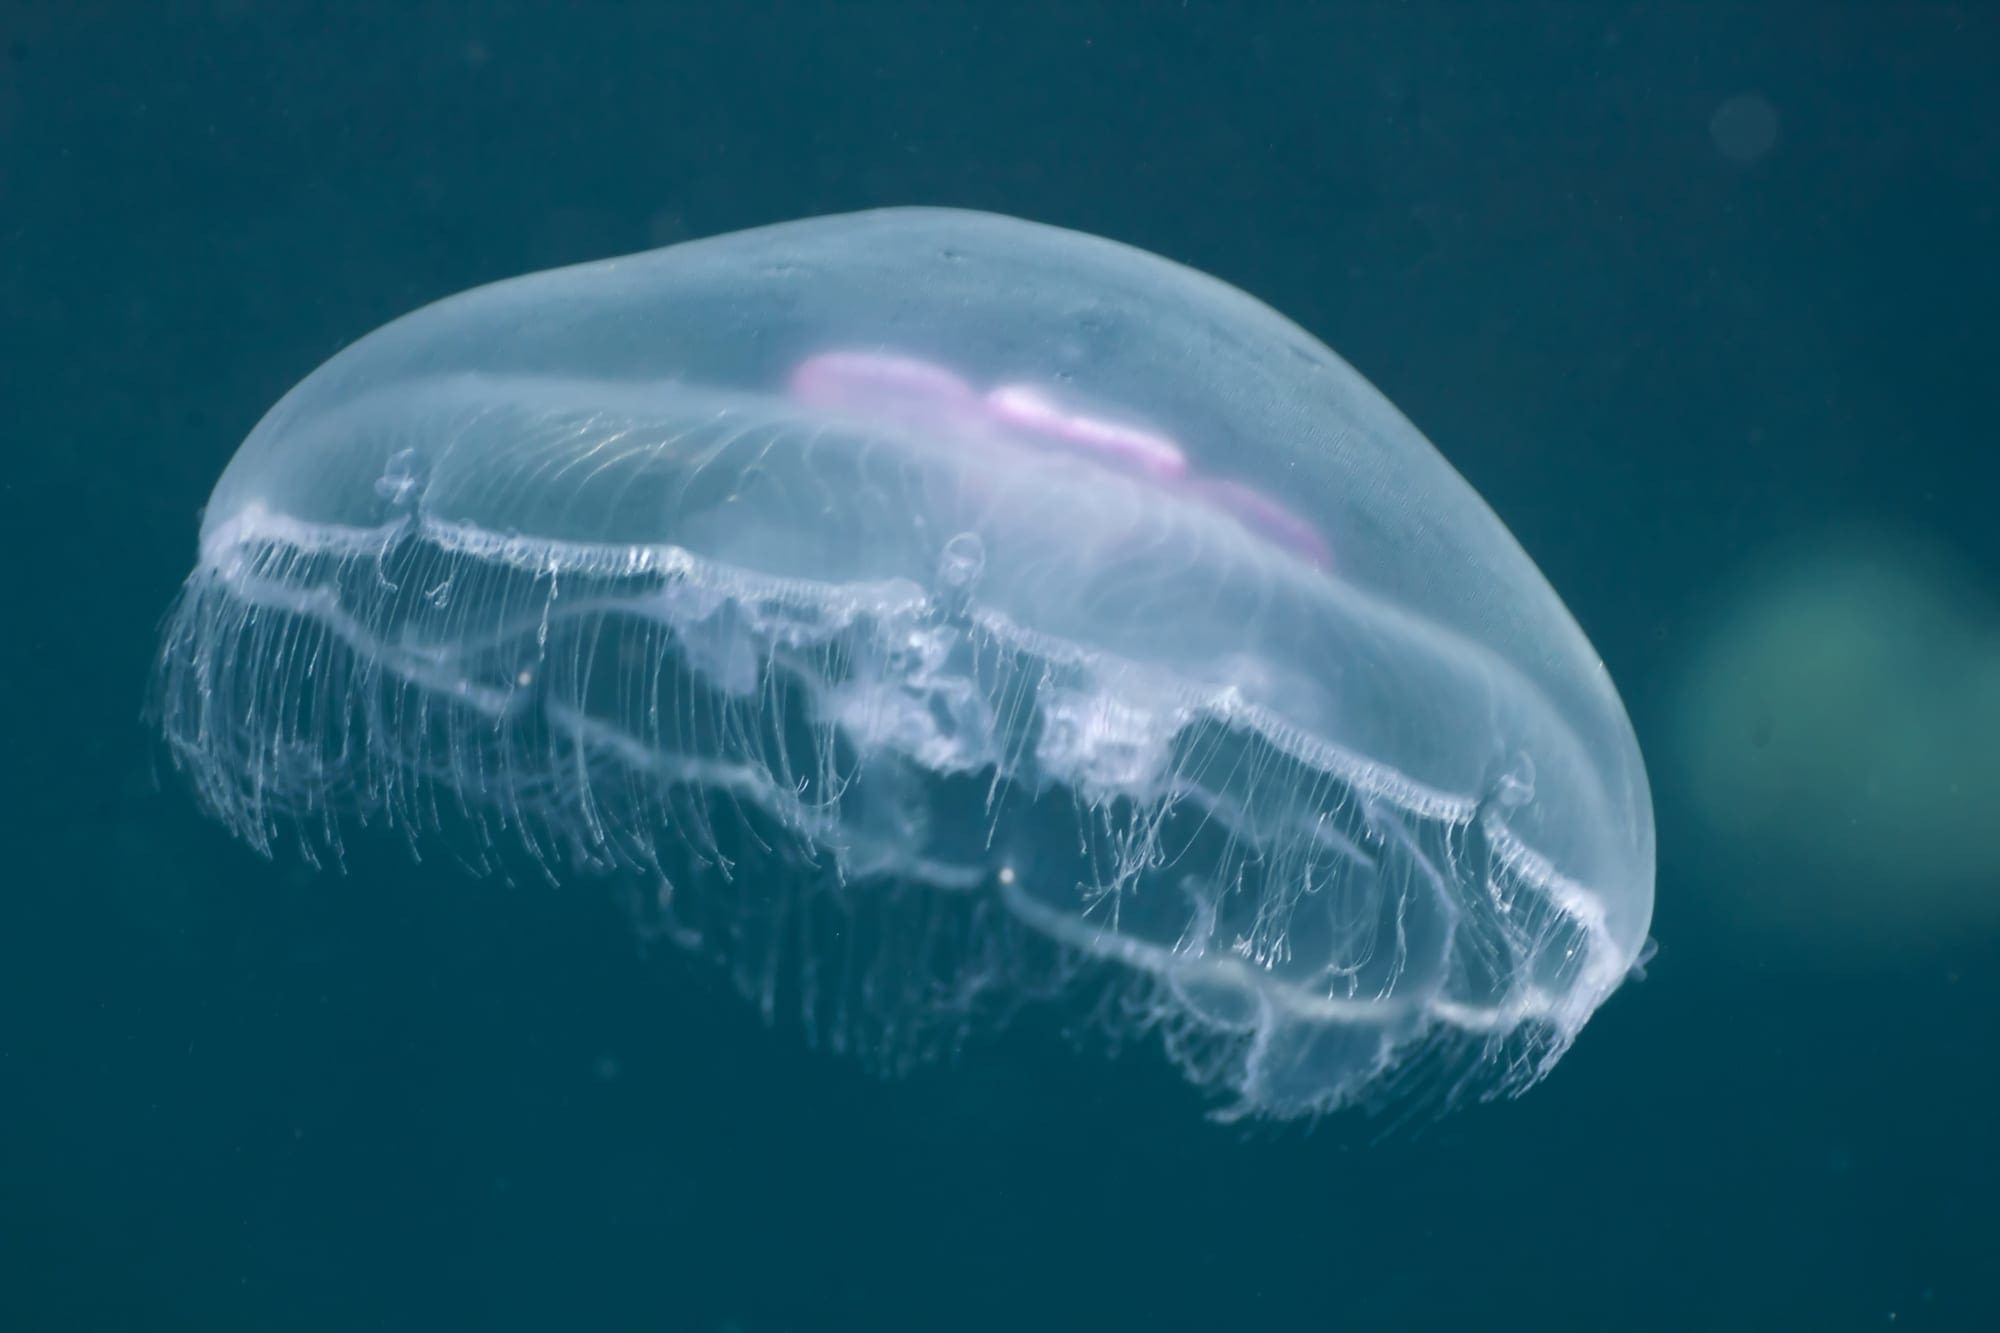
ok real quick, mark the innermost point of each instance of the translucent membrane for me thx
(941, 612)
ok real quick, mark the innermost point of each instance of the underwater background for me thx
(1703, 298)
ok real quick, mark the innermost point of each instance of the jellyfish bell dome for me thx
(1010, 611)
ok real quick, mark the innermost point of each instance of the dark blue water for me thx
(1678, 287)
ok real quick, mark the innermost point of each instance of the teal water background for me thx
(1673, 284)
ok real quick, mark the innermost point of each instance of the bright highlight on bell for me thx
(944, 613)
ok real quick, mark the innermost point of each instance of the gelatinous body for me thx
(944, 612)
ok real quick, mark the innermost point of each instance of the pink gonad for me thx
(913, 391)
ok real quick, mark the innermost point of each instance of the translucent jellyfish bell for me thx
(945, 612)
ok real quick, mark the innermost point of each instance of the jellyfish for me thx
(938, 614)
